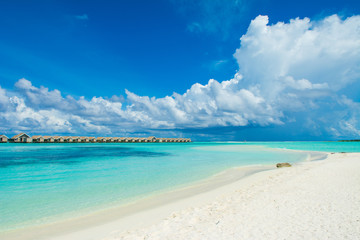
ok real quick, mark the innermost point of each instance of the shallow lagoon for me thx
(42, 183)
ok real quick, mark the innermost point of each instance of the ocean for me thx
(45, 183)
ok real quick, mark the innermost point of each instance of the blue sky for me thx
(74, 51)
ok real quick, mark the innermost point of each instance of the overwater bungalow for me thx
(58, 139)
(68, 139)
(84, 139)
(3, 139)
(109, 139)
(37, 139)
(100, 139)
(49, 139)
(76, 139)
(21, 138)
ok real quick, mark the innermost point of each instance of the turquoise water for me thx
(42, 183)
(313, 146)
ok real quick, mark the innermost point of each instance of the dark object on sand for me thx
(279, 165)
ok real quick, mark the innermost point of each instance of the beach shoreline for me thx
(311, 200)
(126, 221)
(113, 215)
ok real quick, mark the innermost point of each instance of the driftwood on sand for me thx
(280, 165)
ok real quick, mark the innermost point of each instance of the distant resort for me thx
(24, 138)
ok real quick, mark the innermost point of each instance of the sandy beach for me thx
(310, 200)
(180, 120)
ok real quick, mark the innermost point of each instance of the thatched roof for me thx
(20, 135)
(36, 137)
(103, 139)
(48, 137)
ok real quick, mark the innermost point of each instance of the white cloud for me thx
(322, 52)
(286, 70)
(3, 98)
(303, 84)
(213, 104)
(40, 96)
(303, 65)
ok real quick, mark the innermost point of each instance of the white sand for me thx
(312, 200)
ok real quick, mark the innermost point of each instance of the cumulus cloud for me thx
(303, 71)
(303, 65)
(213, 104)
(322, 52)
(3, 98)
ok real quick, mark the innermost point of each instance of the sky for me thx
(208, 69)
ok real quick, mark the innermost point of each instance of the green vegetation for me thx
(353, 140)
